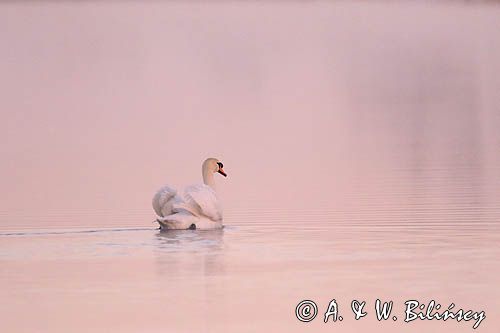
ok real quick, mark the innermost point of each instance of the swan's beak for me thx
(221, 171)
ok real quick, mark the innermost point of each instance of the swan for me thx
(196, 208)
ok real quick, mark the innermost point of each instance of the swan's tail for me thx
(161, 199)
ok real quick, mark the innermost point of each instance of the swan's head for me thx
(214, 165)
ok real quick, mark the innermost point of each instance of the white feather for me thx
(203, 199)
(163, 201)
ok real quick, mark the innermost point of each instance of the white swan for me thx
(196, 208)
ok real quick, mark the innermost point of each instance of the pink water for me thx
(361, 142)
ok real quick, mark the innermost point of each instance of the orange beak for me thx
(221, 171)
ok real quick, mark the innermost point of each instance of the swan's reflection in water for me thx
(182, 253)
(189, 240)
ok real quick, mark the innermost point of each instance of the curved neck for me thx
(208, 178)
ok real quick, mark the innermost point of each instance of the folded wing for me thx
(201, 200)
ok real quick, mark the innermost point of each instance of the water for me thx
(362, 155)
(246, 276)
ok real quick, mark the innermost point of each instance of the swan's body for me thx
(197, 207)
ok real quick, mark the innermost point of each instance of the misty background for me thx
(308, 104)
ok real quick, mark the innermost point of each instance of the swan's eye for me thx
(220, 165)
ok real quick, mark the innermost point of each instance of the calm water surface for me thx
(251, 274)
(357, 170)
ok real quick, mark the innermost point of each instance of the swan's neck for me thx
(208, 178)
